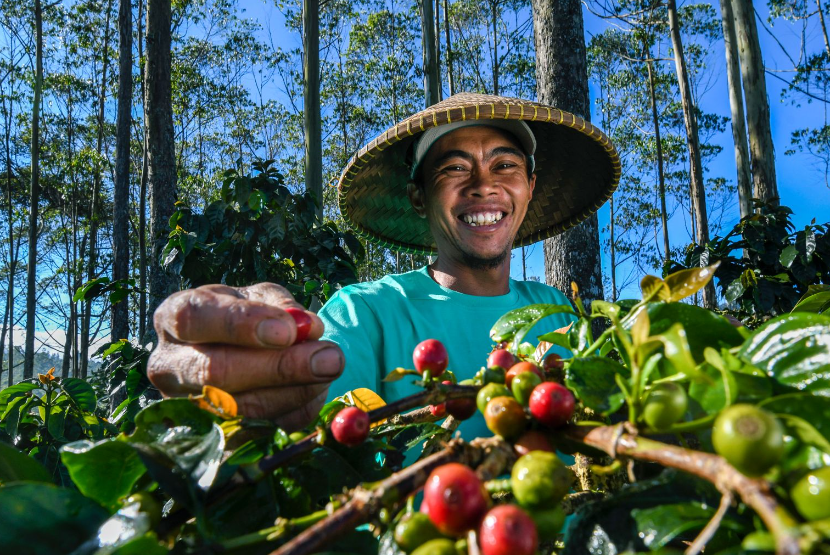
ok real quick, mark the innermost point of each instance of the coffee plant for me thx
(672, 430)
(259, 231)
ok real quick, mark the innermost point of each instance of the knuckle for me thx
(212, 368)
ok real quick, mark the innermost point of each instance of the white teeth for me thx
(482, 218)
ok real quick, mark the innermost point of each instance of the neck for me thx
(489, 282)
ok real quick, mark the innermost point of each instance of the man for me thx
(466, 179)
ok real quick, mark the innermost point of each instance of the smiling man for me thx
(466, 180)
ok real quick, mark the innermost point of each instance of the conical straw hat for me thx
(577, 170)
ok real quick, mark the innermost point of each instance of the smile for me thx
(476, 219)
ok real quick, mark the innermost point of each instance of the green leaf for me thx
(81, 392)
(604, 308)
(104, 471)
(794, 350)
(521, 320)
(557, 338)
(703, 327)
(716, 395)
(13, 392)
(816, 299)
(805, 432)
(806, 407)
(788, 255)
(686, 283)
(90, 290)
(592, 380)
(57, 422)
(16, 467)
(181, 446)
(734, 291)
(42, 519)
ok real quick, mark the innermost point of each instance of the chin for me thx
(479, 261)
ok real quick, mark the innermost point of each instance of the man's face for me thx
(475, 195)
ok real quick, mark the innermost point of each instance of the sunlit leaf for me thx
(654, 288)
(104, 471)
(216, 401)
(641, 327)
(399, 374)
(686, 283)
(521, 320)
(816, 299)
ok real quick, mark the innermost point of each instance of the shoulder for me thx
(539, 292)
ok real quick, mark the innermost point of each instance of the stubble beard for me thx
(479, 263)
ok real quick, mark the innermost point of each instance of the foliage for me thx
(258, 231)
(767, 266)
(253, 488)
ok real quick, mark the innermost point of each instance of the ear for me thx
(416, 198)
(532, 184)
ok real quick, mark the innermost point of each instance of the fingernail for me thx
(274, 332)
(326, 363)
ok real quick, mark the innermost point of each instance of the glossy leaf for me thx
(716, 395)
(592, 381)
(703, 328)
(104, 471)
(16, 467)
(816, 299)
(794, 350)
(655, 289)
(81, 392)
(511, 324)
(42, 519)
(13, 392)
(686, 283)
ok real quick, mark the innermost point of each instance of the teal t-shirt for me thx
(377, 324)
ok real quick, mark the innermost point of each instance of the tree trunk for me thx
(823, 27)
(311, 102)
(142, 193)
(121, 196)
(733, 76)
(34, 200)
(92, 253)
(437, 42)
(494, 4)
(8, 313)
(161, 159)
(761, 147)
(698, 193)
(450, 77)
(661, 180)
(613, 252)
(430, 55)
(562, 80)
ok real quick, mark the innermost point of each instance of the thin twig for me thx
(755, 492)
(491, 456)
(712, 526)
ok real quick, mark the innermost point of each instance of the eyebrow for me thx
(469, 157)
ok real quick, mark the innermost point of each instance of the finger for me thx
(302, 416)
(215, 315)
(182, 369)
(277, 402)
(271, 293)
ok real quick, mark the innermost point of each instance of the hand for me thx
(241, 340)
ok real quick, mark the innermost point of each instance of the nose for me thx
(482, 184)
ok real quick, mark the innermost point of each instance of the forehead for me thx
(474, 137)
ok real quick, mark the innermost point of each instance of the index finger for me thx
(221, 314)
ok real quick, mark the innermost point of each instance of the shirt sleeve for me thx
(351, 323)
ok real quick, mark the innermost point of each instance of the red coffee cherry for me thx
(303, 322)
(507, 530)
(552, 404)
(454, 499)
(462, 409)
(430, 355)
(519, 368)
(502, 358)
(350, 426)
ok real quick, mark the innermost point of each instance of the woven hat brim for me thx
(577, 170)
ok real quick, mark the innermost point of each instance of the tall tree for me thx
(121, 196)
(34, 199)
(311, 101)
(761, 147)
(431, 79)
(698, 192)
(736, 104)
(161, 153)
(562, 81)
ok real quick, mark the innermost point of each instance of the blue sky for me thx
(800, 181)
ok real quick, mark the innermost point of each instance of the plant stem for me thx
(755, 492)
(282, 528)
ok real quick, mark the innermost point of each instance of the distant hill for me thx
(43, 362)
